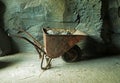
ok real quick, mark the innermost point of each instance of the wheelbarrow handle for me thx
(29, 42)
(36, 42)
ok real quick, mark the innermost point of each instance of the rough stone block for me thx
(35, 14)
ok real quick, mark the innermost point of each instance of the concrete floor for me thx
(25, 68)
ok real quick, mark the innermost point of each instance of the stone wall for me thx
(114, 10)
(33, 15)
(110, 29)
(5, 44)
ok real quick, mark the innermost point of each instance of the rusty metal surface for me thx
(57, 45)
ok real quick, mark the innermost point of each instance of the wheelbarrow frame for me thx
(45, 51)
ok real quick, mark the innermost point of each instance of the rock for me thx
(114, 16)
(51, 32)
(5, 44)
(110, 31)
(33, 15)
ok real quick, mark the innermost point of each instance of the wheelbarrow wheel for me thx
(73, 55)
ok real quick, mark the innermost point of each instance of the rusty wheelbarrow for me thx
(57, 42)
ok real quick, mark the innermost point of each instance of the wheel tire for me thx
(73, 55)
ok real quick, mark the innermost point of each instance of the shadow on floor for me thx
(95, 49)
(9, 61)
(5, 64)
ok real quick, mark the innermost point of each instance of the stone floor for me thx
(25, 68)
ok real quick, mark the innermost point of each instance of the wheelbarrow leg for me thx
(48, 62)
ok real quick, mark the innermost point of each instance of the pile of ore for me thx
(53, 32)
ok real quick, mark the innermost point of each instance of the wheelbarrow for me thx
(60, 42)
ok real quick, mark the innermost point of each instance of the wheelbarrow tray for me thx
(57, 45)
